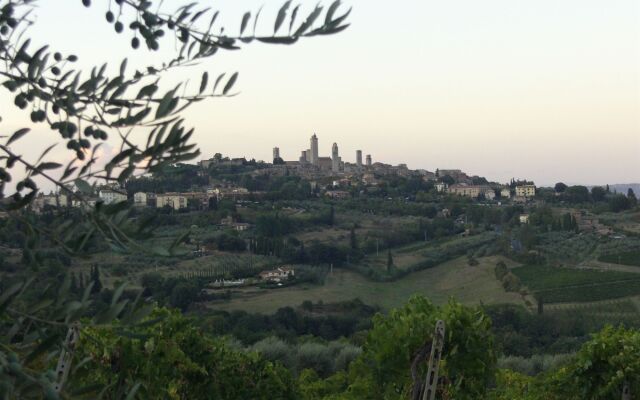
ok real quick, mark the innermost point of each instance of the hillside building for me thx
(174, 200)
(234, 193)
(109, 196)
(441, 187)
(473, 191)
(49, 200)
(526, 191)
(278, 275)
(140, 199)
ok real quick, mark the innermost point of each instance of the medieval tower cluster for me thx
(311, 157)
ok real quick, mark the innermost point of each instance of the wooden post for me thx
(626, 391)
(431, 382)
(66, 357)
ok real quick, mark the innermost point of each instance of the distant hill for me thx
(618, 187)
(622, 187)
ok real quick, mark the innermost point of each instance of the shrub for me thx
(535, 364)
(315, 356)
(511, 283)
(346, 355)
(501, 270)
(276, 350)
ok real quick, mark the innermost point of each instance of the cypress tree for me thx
(95, 278)
(302, 256)
(332, 215)
(632, 197)
(540, 305)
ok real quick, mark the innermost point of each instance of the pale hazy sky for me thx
(547, 90)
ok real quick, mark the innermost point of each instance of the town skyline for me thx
(365, 158)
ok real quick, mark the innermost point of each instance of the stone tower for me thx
(359, 158)
(335, 158)
(368, 160)
(314, 150)
(276, 152)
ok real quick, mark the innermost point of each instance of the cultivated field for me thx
(468, 284)
(559, 285)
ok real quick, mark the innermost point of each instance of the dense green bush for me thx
(383, 370)
(276, 350)
(535, 364)
(173, 359)
(315, 356)
(511, 283)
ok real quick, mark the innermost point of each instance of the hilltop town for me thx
(327, 176)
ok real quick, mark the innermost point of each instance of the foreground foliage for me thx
(172, 359)
(599, 371)
(396, 341)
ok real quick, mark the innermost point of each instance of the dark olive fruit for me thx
(57, 56)
(71, 128)
(12, 22)
(55, 71)
(80, 155)
(55, 108)
(38, 116)
(110, 17)
(119, 27)
(62, 128)
(88, 131)
(20, 101)
(135, 42)
(42, 82)
(86, 3)
(84, 143)
(4, 29)
(72, 58)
